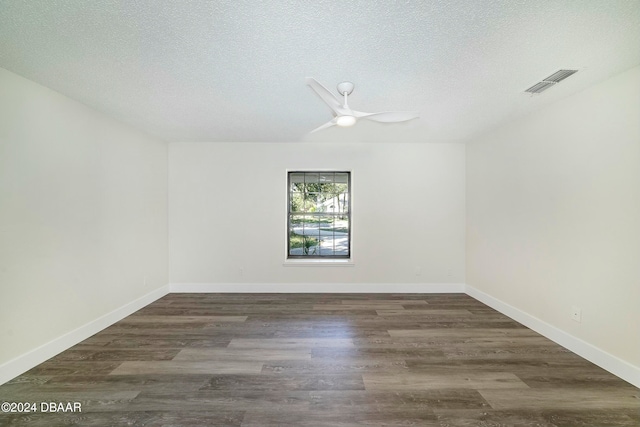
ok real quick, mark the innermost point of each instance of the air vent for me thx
(550, 81)
(558, 76)
(540, 87)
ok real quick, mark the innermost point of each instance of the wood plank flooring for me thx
(319, 360)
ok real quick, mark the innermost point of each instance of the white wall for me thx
(553, 215)
(83, 216)
(227, 212)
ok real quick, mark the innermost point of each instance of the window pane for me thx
(296, 182)
(341, 188)
(327, 246)
(311, 177)
(337, 204)
(331, 203)
(326, 187)
(326, 177)
(337, 227)
(303, 245)
(325, 222)
(296, 187)
(311, 201)
(296, 202)
(341, 178)
(325, 204)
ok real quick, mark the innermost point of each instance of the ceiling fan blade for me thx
(325, 95)
(389, 116)
(324, 126)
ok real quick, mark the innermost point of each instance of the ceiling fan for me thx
(344, 115)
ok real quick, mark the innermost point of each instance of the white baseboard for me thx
(398, 288)
(609, 362)
(23, 363)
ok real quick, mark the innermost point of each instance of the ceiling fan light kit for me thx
(344, 116)
(345, 121)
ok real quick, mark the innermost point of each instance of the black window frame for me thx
(291, 213)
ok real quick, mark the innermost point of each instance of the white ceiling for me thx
(234, 70)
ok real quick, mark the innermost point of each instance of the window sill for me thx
(319, 263)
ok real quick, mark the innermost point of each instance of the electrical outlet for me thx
(144, 281)
(241, 272)
(418, 271)
(576, 313)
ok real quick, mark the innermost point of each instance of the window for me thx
(319, 215)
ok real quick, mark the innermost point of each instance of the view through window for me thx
(319, 217)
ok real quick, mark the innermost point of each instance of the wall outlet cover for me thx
(576, 313)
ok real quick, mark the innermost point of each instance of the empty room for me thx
(240, 213)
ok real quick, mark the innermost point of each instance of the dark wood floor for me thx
(322, 360)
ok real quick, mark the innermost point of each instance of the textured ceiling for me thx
(235, 70)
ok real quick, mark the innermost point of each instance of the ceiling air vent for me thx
(540, 87)
(550, 81)
(559, 76)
